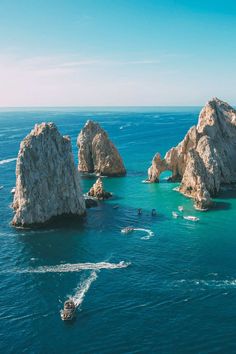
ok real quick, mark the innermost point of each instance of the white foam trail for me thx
(67, 268)
(2, 162)
(150, 233)
(208, 283)
(81, 291)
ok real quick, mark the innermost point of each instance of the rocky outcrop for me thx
(90, 202)
(97, 154)
(98, 191)
(47, 180)
(206, 158)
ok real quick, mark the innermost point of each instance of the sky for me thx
(117, 52)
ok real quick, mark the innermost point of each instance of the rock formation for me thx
(206, 158)
(98, 191)
(47, 180)
(90, 202)
(97, 154)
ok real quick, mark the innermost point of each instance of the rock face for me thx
(47, 180)
(206, 158)
(98, 191)
(97, 154)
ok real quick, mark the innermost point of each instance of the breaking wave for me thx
(2, 162)
(77, 267)
(83, 287)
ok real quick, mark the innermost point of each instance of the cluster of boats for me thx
(180, 215)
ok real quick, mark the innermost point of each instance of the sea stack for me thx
(47, 180)
(97, 191)
(97, 154)
(206, 158)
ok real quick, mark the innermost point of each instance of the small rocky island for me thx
(47, 180)
(97, 191)
(206, 158)
(97, 154)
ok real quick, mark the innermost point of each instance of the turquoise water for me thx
(174, 292)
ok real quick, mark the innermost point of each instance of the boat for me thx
(68, 312)
(181, 208)
(191, 218)
(127, 230)
(175, 215)
(13, 190)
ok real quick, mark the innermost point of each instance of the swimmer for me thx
(139, 211)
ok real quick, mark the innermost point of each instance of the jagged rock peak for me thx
(206, 158)
(97, 154)
(98, 191)
(47, 180)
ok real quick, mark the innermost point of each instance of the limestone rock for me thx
(47, 180)
(97, 154)
(98, 191)
(206, 158)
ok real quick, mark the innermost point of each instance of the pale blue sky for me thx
(116, 52)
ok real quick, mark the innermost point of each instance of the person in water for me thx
(154, 213)
(139, 211)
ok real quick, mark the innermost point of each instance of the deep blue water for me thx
(176, 292)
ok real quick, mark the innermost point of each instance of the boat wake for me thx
(82, 289)
(150, 233)
(3, 162)
(77, 267)
(229, 283)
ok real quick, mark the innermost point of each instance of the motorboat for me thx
(68, 312)
(13, 190)
(181, 208)
(191, 218)
(127, 230)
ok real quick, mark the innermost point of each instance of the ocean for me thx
(173, 291)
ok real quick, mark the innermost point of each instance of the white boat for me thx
(13, 190)
(181, 208)
(175, 215)
(127, 230)
(191, 218)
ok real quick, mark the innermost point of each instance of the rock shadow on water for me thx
(60, 222)
(227, 193)
(219, 206)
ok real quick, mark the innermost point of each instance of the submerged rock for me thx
(206, 158)
(47, 180)
(98, 191)
(97, 154)
(90, 202)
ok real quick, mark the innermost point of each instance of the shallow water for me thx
(174, 292)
